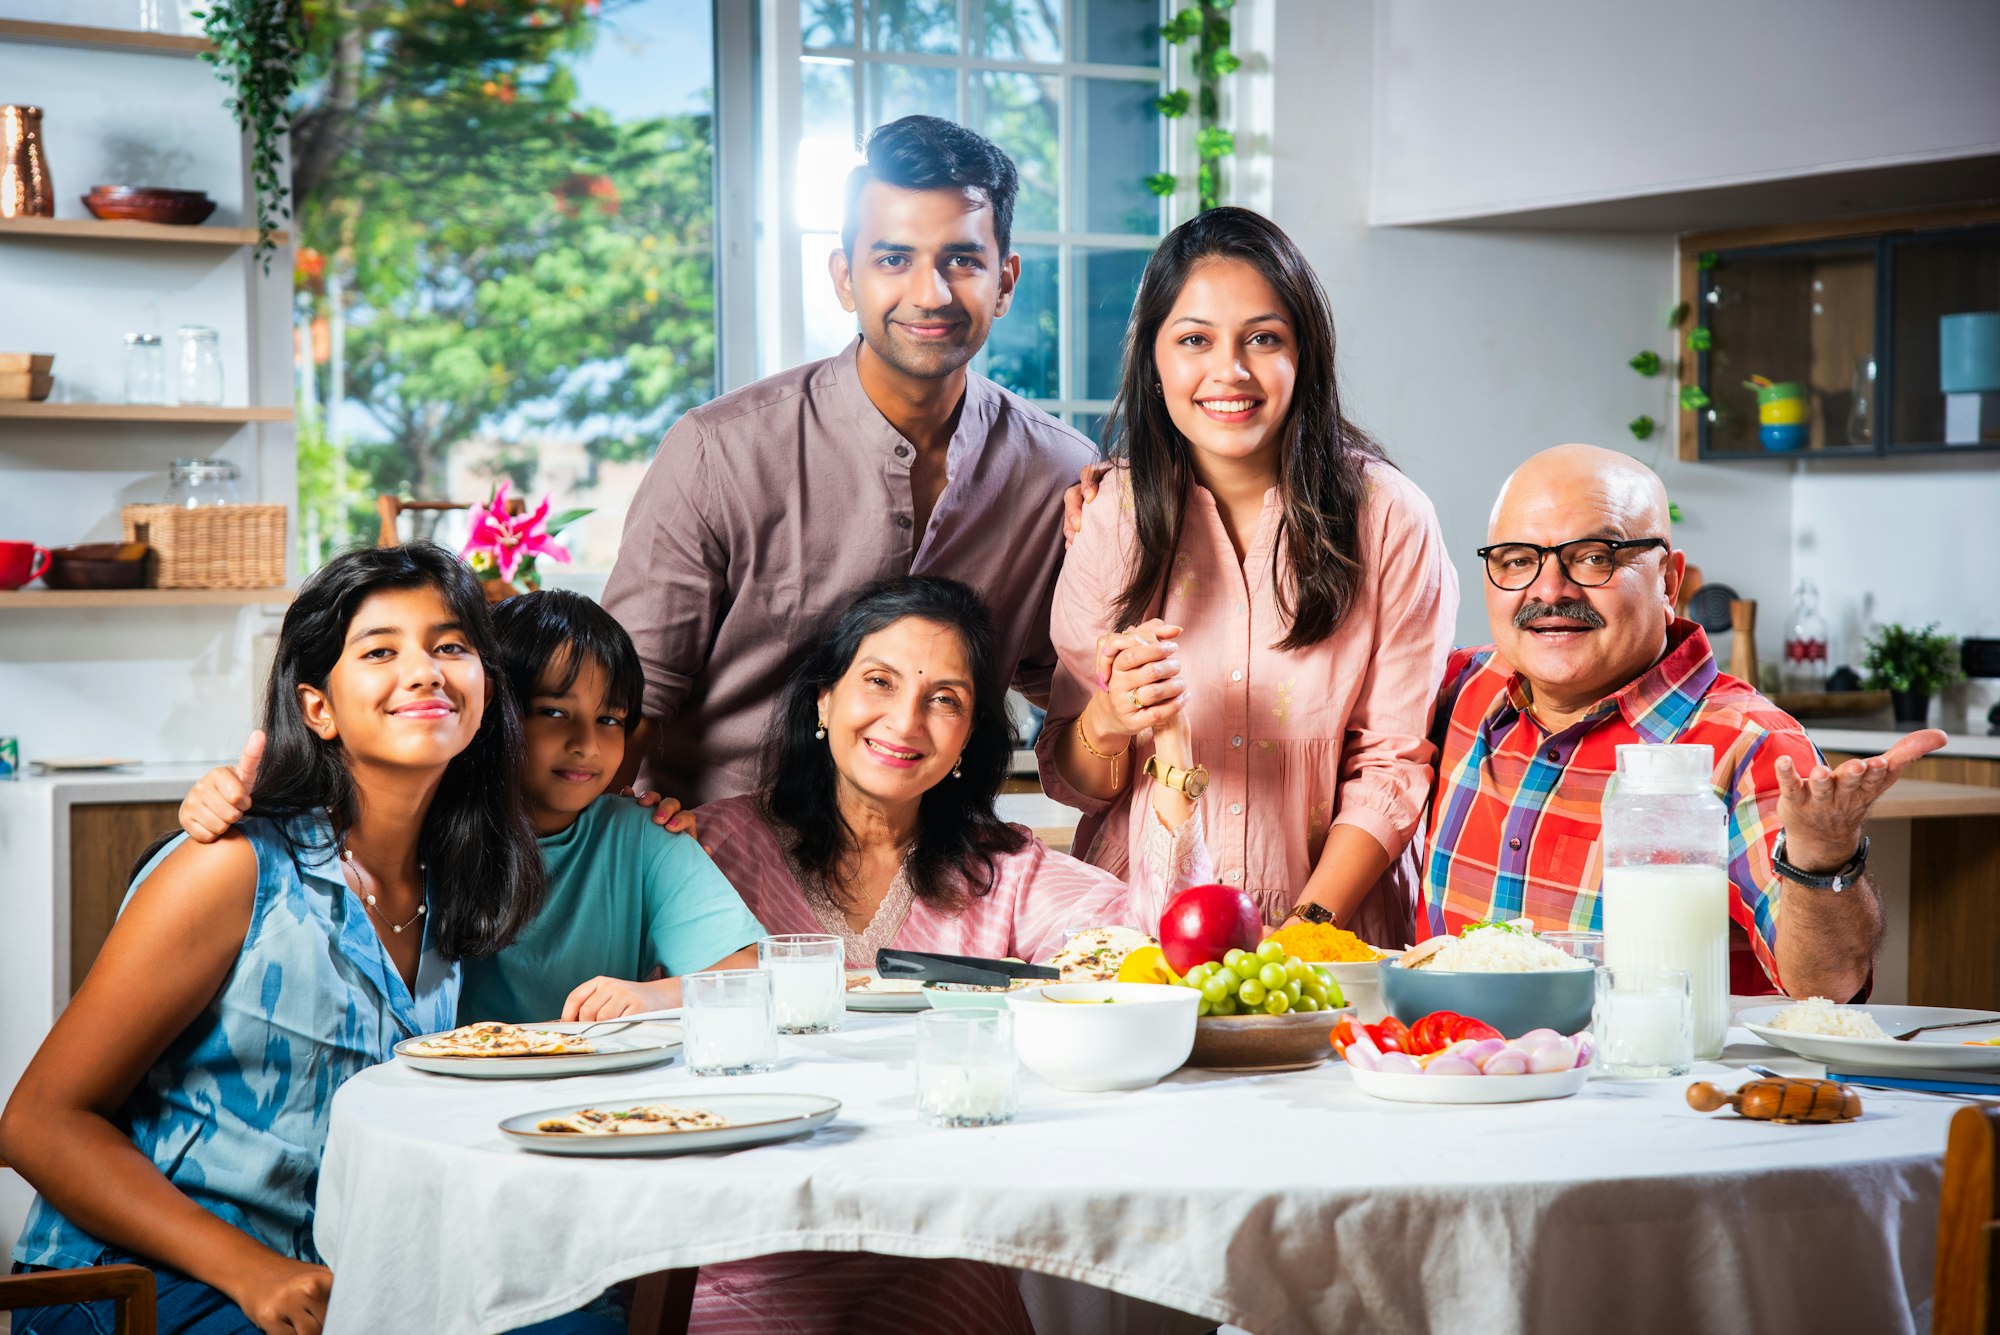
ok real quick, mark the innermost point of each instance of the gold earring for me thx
(958, 767)
(820, 732)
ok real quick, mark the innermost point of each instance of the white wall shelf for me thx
(105, 229)
(38, 600)
(114, 39)
(156, 413)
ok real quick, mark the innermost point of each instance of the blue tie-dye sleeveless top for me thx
(235, 1110)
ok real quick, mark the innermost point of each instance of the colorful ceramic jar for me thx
(1781, 415)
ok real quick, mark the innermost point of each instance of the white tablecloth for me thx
(1286, 1203)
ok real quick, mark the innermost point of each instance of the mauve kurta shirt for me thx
(1295, 742)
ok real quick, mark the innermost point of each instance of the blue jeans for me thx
(188, 1307)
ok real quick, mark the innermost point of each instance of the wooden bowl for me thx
(143, 192)
(151, 209)
(94, 565)
(1259, 1043)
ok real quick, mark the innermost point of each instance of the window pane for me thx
(1117, 139)
(1023, 30)
(827, 327)
(1118, 32)
(896, 91)
(1022, 351)
(930, 26)
(1022, 112)
(826, 142)
(826, 22)
(1107, 281)
(1092, 426)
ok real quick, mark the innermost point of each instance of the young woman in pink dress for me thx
(1255, 571)
(876, 824)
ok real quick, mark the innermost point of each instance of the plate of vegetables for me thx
(1450, 1058)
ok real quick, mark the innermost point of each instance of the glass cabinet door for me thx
(1932, 279)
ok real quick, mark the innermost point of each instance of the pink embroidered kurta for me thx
(1037, 893)
(1295, 742)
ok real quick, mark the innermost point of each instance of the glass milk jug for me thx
(1665, 897)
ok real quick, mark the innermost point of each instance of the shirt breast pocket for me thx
(1574, 861)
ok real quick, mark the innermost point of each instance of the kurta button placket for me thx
(902, 521)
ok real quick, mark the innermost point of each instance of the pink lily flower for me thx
(512, 541)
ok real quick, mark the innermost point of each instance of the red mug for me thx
(21, 563)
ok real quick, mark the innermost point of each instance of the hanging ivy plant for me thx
(1208, 24)
(257, 46)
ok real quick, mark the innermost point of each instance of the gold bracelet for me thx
(1084, 737)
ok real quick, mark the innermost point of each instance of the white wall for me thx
(1466, 351)
(1491, 108)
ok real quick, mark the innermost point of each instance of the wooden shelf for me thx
(116, 39)
(101, 229)
(156, 413)
(28, 600)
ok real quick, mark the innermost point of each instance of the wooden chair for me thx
(1968, 1262)
(128, 1287)
(661, 1303)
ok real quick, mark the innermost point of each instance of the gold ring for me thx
(1136, 706)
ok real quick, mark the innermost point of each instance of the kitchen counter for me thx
(1863, 737)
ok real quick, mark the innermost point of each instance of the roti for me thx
(491, 1038)
(1094, 954)
(646, 1119)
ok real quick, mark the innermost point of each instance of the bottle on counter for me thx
(1805, 645)
(1665, 896)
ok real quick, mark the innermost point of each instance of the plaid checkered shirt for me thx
(1516, 819)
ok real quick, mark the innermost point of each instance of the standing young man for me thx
(766, 507)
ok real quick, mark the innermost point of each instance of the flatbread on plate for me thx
(1094, 954)
(646, 1119)
(491, 1038)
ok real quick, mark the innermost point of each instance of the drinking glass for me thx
(966, 1068)
(1644, 1023)
(727, 1022)
(808, 981)
(1583, 945)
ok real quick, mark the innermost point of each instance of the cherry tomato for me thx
(1466, 1027)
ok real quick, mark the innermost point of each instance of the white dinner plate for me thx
(82, 764)
(621, 1051)
(863, 999)
(1943, 1051)
(1405, 1088)
(755, 1119)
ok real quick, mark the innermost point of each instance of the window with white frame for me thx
(1065, 87)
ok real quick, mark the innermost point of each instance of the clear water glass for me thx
(727, 1022)
(1587, 946)
(808, 981)
(1644, 1022)
(966, 1068)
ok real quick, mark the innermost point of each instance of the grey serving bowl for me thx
(1513, 1003)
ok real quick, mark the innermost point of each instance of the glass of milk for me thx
(966, 1068)
(727, 1018)
(1665, 896)
(1644, 1023)
(808, 981)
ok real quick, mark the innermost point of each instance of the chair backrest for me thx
(1968, 1263)
(390, 510)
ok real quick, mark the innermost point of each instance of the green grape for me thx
(1305, 1004)
(1233, 958)
(1272, 976)
(1272, 952)
(1199, 974)
(1296, 970)
(1200, 1007)
(1228, 977)
(1226, 1006)
(1214, 990)
(1251, 994)
(1315, 990)
(1277, 1003)
(1294, 988)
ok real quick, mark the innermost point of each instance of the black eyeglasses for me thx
(1589, 562)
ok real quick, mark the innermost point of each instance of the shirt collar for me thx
(1659, 703)
(975, 415)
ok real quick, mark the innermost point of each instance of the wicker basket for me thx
(210, 547)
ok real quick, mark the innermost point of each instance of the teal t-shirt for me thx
(624, 896)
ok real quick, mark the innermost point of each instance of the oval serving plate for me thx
(1402, 1087)
(642, 1046)
(756, 1119)
(867, 999)
(1943, 1051)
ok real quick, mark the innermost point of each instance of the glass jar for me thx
(198, 365)
(1805, 646)
(145, 369)
(1861, 403)
(1665, 897)
(193, 483)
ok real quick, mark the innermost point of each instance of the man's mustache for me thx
(1534, 611)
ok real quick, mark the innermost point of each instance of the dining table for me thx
(1276, 1202)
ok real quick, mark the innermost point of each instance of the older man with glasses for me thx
(1587, 656)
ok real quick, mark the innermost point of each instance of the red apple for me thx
(1205, 922)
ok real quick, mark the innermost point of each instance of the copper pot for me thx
(25, 191)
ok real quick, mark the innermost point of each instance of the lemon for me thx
(1147, 964)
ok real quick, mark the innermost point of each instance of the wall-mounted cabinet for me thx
(1849, 313)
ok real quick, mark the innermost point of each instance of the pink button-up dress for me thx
(1295, 742)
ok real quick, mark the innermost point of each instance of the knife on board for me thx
(929, 968)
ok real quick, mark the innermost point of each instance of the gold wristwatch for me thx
(1189, 783)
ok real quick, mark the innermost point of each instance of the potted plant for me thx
(506, 539)
(1912, 665)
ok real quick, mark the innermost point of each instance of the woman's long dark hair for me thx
(958, 832)
(1321, 455)
(484, 870)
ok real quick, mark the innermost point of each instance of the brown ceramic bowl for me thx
(1257, 1043)
(93, 565)
(143, 192)
(174, 212)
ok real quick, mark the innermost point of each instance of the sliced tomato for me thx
(1466, 1027)
(1390, 1035)
(1432, 1032)
(1344, 1034)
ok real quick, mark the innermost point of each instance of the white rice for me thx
(1500, 949)
(1817, 1015)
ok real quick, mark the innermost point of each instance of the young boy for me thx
(630, 907)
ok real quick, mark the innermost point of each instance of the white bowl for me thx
(1100, 1036)
(1361, 983)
